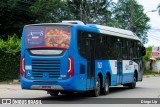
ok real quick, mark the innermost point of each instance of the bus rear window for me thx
(47, 36)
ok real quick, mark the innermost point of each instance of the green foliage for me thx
(98, 12)
(158, 58)
(11, 46)
(14, 14)
(122, 18)
(9, 68)
(150, 72)
(17, 13)
(48, 10)
(148, 53)
(9, 58)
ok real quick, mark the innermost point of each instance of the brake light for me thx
(70, 67)
(26, 26)
(22, 69)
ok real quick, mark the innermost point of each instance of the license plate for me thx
(46, 87)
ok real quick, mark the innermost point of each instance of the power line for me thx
(154, 29)
(152, 36)
(155, 39)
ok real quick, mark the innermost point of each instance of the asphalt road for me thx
(148, 88)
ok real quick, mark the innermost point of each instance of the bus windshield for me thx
(57, 36)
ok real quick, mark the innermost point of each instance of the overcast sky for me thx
(154, 32)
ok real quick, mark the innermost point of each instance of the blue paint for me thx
(78, 82)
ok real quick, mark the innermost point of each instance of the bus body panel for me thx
(68, 84)
(76, 83)
(104, 66)
(44, 63)
(121, 72)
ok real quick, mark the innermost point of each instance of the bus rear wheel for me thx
(133, 84)
(96, 91)
(67, 92)
(53, 93)
(105, 89)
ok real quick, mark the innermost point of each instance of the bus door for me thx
(90, 62)
(119, 62)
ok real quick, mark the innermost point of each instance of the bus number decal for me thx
(99, 64)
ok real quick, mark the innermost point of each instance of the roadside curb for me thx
(16, 81)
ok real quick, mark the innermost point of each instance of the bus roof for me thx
(103, 29)
(115, 31)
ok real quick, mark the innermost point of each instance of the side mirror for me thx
(143, 51)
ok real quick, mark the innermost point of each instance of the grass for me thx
(151, 72)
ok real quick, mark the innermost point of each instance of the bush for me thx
(10, 58)
(148, 53)
(150, 72)
(158, 58)
(11, 46)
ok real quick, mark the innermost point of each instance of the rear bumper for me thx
(67, 84)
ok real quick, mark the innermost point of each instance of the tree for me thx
(158, 7)
(49, 10)
(14, 14)
(121, 18)
(91, 11)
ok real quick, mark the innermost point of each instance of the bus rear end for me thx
(47, 60)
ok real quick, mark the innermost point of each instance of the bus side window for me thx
(143, 51)
(81, 43)
(124, 52)
(130, 50)
(81, 49)
(84, 47)
(106, 50)
(98, 49)
(109, 48)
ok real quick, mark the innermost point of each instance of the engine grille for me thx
(45, 68)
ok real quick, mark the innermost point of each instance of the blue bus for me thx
(75, 57)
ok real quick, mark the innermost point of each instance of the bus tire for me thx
(55, 93)
(105, 89)
(96, 91)
(67, 92)
(133, 84)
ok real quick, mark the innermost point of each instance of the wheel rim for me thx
(97, 90)
(107, 86)
(134, 81)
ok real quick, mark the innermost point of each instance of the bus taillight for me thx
(22, 69)
(70, 67)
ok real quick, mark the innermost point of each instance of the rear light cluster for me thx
(70, 67)
(22, 69)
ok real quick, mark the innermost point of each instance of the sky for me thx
(154, 32)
